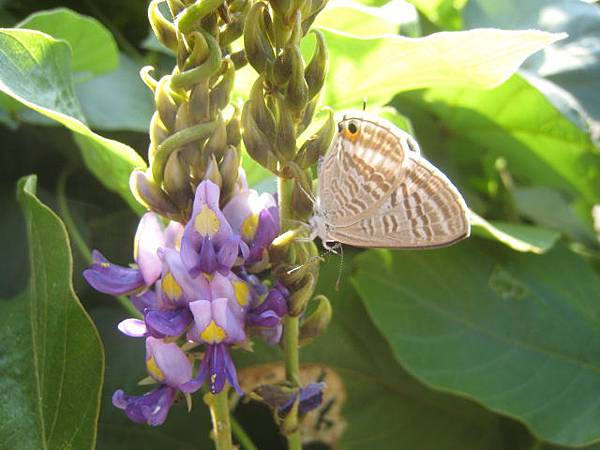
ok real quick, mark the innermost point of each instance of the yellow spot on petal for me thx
(154, 370)
(170, 287)
(242, 292)
(206, 222)
(213, 333)
(249, 227)
(104, 264)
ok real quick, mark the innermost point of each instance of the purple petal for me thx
(110, 278)
(151, 408)
(228, 253)
(202, 312)
(173, 234)
(192, 288)
(311, 396)
(207, 262)
(170, 322)
(145, 300)
(133, 328)
(148, 239)
(267, 230)
(171, 360)
(225, 318)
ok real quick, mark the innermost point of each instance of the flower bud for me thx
(318, 144)
(158, 133)
(281, 7)
(239, 59)
(285, 138)
(165, 104)
(221, 92)
(317, 321)
(307, 115)
(233, 130)
(175, 6)
(317, 67)
(177, 183)
(256, 41)
(217, 142)
(212, 172)
(231, 32)
(199, 103)
(261, 113)
(298, 299)
(149, 194)
(163, 29)
(310, 9)
(211, 63)
(258, 145)
(229, 168)
(297, 89)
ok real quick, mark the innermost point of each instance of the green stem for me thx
(291, 325)
(241, 435)
(219, 412)
(78, 241)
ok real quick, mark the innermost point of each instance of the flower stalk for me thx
(219, 413)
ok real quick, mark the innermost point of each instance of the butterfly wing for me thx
(424, 211)
(361, 168)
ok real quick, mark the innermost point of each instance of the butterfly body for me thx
(376, 190)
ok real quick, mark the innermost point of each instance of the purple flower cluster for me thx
(193, 286)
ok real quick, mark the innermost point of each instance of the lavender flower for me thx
(190, 284)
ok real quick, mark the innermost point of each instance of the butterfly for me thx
(376, 190)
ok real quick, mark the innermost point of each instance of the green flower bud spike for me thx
(317, 321)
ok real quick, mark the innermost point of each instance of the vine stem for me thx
(291, 324)
(219, 413)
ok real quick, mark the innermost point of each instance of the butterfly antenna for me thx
(309, 195)
(364, 105)
(341, 269)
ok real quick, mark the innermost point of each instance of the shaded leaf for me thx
(520, 237)
(52, 361)
(574, 63)
(514, 331)
(93, 48)
(36, 72)
(117, 100)
(550, 209)
(386, 408)
(379, 67)
(514, 122)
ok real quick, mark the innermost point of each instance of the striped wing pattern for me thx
(424, 211)
(375, 190)
(358, 174)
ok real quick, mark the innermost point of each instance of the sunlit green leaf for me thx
(446, 14)
(520, 237)
(379, 67)
(52, 362)
(517, 332)
(94, 49)
(36, 71)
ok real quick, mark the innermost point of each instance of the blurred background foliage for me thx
(492, 344)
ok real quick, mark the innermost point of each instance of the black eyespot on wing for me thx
(352, 128)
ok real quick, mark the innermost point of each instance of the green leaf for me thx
(386, 408)
(117, 100)
(94, 49)
(574, 63)
(52, 362)
(379, 67)
(517, 332)
(550, 209)
(514, 122)
(364, 20)
(519, 237)
(36, 72)
(446, 14)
